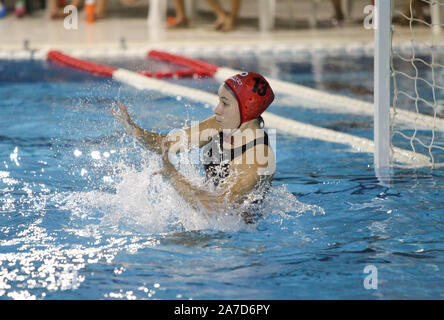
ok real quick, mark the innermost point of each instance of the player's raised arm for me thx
(193, 137)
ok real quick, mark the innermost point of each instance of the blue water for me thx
(82, 216)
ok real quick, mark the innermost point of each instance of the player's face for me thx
(227, 110)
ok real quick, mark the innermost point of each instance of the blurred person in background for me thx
(415, 9)
(25, 7)
(180, 20)
(338, 18)
(224, 21)
(56, 7)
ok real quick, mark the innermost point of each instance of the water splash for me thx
(125, 208)
(145, 203)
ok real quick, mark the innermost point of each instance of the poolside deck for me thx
(130, 25)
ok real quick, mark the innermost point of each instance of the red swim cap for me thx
(253, 94)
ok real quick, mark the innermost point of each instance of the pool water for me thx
(82, 216)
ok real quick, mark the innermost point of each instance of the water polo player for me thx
(238, 161)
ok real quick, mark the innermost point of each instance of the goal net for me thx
(417, 78)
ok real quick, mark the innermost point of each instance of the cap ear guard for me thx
(253, 94)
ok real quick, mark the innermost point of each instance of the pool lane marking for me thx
(272, 121)
(192, 67)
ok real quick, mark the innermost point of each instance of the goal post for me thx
(383, 21)
(408, 81)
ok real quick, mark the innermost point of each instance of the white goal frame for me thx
(383, 12)
(382, 138)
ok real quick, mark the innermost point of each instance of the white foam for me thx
(147, 203)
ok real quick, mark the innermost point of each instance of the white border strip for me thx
(221, 48)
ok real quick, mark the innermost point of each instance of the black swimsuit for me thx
(217, 165)
(217, 168)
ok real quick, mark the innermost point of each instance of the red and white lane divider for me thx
(198, 66)
(194, 68)
(146, 80)
(88, 66)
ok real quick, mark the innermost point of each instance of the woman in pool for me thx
(238, 162)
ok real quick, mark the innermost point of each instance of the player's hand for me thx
(166, 164)
(124, 117)
(165, 147)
